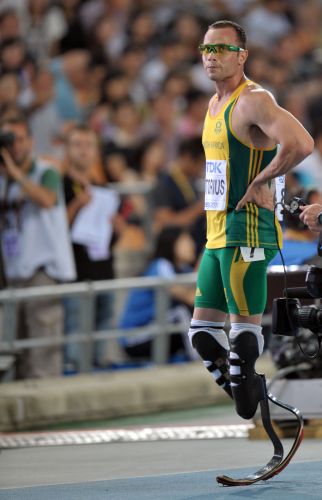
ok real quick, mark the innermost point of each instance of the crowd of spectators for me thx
(127, 74)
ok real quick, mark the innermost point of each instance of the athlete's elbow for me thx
(305, 147)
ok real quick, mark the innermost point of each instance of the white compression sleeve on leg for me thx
(237, 328)
(215, 329)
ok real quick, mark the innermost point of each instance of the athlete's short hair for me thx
(240, 32)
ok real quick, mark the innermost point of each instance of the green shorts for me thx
(227, 283)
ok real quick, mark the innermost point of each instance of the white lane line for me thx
(37, 439)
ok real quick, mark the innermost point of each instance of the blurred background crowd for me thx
(115, 94)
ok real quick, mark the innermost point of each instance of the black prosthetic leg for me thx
(246, 385)
(249, 389)
(215, 357)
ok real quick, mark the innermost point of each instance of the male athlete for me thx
(242, 128)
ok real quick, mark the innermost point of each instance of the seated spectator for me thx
(178, 201)
(174, 253)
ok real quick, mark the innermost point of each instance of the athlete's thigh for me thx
(245, 283)
(210, 290)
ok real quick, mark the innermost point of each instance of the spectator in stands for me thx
(162, 123)
(191, 122)
(9, 24)
(44, 120)
(14, 59)
(72, 92)
(125, 133)
(43, 25)
(132, 60)
(152, 161)
(174, 253)
(172, 53)
(9, 91)
(35, 242)
(92, 262)
(74, 36)
(178, 201)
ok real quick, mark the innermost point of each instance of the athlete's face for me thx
(224, 64)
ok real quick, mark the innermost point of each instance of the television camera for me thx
(301, 323)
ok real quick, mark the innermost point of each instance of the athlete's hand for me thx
(309, 216)
(259, 194)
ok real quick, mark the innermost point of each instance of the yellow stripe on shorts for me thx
(238, 271)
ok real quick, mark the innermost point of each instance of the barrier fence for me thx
(87, 291)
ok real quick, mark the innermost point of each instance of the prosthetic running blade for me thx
(276, 464)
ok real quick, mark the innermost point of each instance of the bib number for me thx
(279, 195)
(216, 185)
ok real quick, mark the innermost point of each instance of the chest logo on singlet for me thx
(218, 125)
(216, 185)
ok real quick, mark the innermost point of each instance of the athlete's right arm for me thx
(261, 110)
(280, 126)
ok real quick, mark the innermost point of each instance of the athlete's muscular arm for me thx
(284, 129)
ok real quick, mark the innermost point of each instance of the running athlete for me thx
(243, 127)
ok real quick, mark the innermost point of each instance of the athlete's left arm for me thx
(284, 129)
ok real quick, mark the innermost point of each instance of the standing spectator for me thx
(35, 244)
(177, 200)
(81, 154)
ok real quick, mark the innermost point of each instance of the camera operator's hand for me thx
(309, 216)
(10, 167)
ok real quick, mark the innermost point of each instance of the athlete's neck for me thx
(226, 87)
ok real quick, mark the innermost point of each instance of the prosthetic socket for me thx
(246, 385)
(212, 346)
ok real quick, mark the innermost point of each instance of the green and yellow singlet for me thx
(231, 165)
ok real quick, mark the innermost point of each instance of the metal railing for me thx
(87, 291)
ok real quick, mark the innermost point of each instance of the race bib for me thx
(252, 254)
(279, 195)
(216, 185)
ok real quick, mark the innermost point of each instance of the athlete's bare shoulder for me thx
(254, 100)
(254, 94)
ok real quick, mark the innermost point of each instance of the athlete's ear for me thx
(242, 57)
